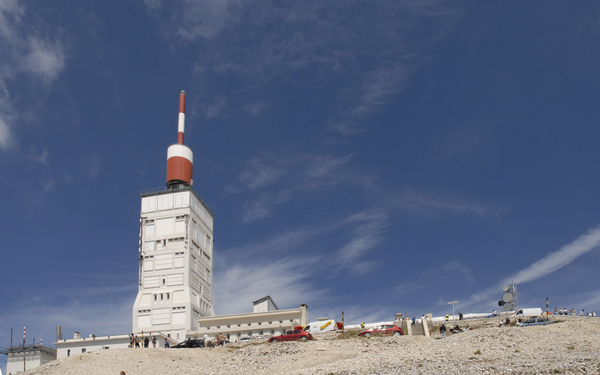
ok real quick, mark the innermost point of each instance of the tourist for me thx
(443, 330)
(137, 341)
(166, 343)
(581, 313)
(146, 342)
(220, 339)
(154, 341)
(206, 340)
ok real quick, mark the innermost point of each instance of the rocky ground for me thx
(567, 347)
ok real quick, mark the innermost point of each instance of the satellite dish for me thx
(505, 288)
(506, 308)
(507, 297)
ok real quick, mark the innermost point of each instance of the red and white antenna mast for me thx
(180, 159)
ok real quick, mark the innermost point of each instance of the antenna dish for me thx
(507, 298)
(505, 288)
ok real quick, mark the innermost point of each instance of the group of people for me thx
(143, 342)
(455, 329)
(220, 341)
(572, 312)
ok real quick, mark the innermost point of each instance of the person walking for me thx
(166, 343)
(206, 340)
(443, 330)
(154, 341)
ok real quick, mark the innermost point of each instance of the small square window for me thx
(83, 350)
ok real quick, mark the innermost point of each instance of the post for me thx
(546, 310)
(343, 324)
(452, 303)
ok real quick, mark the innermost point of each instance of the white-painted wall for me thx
(29, 359)
(176, 265)
(265, 324)
(78, 346)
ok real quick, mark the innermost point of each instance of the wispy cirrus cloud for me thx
(262, 172)
(364, 61)
(428, 202)
(368, 232)
(283, 266)
(255, 109)
(543, 267)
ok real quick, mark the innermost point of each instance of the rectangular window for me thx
(68, 352)
(83, 350)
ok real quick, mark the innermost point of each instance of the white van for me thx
(536, 311)
(321, 326)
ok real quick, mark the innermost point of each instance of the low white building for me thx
(80, 345)
(265, 321)
(22, 358)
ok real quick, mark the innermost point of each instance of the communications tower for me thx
(176, 250)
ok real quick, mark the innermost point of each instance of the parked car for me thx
(190, 343)
(250, 338)
(386, 329)
(296, 334)
(535, 322)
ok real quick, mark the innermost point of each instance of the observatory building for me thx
(176, 249)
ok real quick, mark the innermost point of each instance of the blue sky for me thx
(359, 156)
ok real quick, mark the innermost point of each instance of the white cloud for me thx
(261, 208)
(26, 47)
(365, 59)
(286, 281)
(216, 108)
(558, 259)
(256, 109)
(41, 158)
(102, 311)
(6, 136)
(45, 58)
(94, 167)
(367, 234)
(543, 267)
(431, 203)
(261, 172)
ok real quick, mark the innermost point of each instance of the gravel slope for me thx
(568, 347)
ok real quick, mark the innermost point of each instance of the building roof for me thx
(28, 349)
(266, 298)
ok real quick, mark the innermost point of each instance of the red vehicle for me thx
(294, 335)
(385, 329)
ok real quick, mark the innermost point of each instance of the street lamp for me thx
(452, 303)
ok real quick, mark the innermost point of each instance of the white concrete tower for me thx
(175, 254)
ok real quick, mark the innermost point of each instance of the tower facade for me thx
(176, 250)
